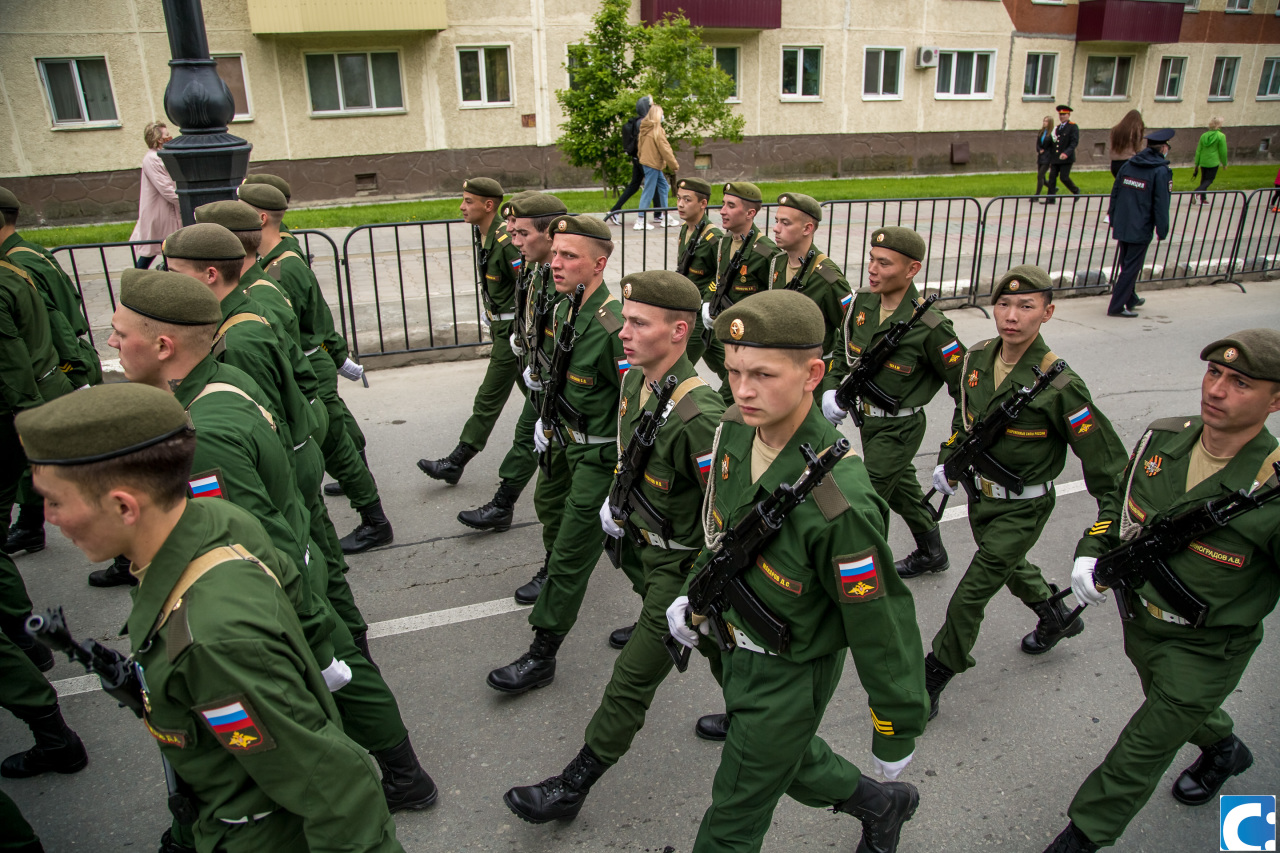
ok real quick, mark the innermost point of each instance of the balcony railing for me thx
(718, 14)
(1146, 21)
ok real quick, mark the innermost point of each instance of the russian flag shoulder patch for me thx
(703, 461)
(858, 577)
(1080, 422)
(236, 725)
(207, 484)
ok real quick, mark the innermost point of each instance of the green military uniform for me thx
(761, 258)
(77, 357)
(21, 837)
(820, 279)
(521, 463)
(276, 305)
(551, 489)
(700, 268)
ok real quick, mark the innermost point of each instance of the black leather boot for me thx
(27, 533)
(168, 844)
(1071, 840)
(619, 637)
(362, 643)
(449, 468)
(374, 530)
(405, 785)
(529, 593)
(1052, 627)
(38, 653)
(712, 727)
(534, 668)
(1201, 782)
(333, 490)
(883, 807)
(496, 514)
(116, 574)
(936, 676)
(560, 797)
(929, 556)
(57, 748)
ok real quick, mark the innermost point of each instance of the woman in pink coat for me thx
(158, 215)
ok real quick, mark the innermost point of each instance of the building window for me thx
(79, 91)
(231, 70)
(1269, 87)
(1239, 5)
(727, 59)
(1169, 83)
(572, 62)
(1107, 76)
(801, 73)
(965, 74)
(484, 76)
(354, 82)
(1192, 6)
(882, 73)
(1222, 86)
(1037, 83)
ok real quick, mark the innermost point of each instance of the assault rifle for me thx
(860, 384)
(553, 381)
(971, 456)
(720, 585)
(1145, 558)
(720, 299)
(624, 497)
(521, 324)
(686, 257)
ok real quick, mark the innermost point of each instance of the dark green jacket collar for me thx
(814, 431)
(1238, 474)
(1021, 374)
(237, 302)
(14, 239)
(165, 568)
(195, 381)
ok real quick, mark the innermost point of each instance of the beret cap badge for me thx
(879, 238)
(1015, 284)
(626, 291)
(1230, 354)
(737, 330)
(563, 225)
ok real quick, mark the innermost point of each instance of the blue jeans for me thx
(655, 189)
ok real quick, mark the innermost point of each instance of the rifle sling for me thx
(197, 569)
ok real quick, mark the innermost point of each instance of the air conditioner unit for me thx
(926, 57)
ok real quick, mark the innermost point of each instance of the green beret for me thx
(586, 226)
(206, 241)
(904, 241)
(1253, 352)
(263, 197)
(169, 297)
(508, 208)
(273, 181)
(232, 215)
(696, 185)
(8, 201)
(486, 187)
(776, 319)
(538, 204)
(806, 204)
(663, 288)
(100, 423)
(1024, 278)
(744, 190)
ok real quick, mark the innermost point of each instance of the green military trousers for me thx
(714, 358)
(369, 710)
(773, 748)
(22, 685)
(15, 604)
(578, 542)
(551, 492)
(281, 832)
(500, 377)
(1186, 675)
(643, 662)
(888, 447)
(521, 461)
(342, 453)
(18, 836)
(309, 464)
(696, 345)
(1004, 530)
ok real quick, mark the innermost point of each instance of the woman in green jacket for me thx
(1211, 153)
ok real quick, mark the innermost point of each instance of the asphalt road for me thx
(996, 770)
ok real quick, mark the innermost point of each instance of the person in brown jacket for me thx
(655, 156)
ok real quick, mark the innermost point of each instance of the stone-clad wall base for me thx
(108, 196)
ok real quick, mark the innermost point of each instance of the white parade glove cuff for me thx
(540, 442)
(677, 623)
(607, 523)
(351, 370)
(82, 387)
(1082, 582)
(337, 675)
(706, 315)
(529, 382)
(940, 481)
(515, 344)
(830, 410)
(891, 770)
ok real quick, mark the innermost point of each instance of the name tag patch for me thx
(165, 736)
(1135, 183)
(1226, 558)
(1015, 432)
(662, 485)
(897, 367)
(792, 586)
(1136, 512)
(584, 381)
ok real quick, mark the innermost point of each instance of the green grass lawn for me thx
(1247, 177)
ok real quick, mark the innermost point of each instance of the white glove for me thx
(706, 315)
(1082, 583)
(515, 344)
(607, 524)
(529, 382)
(351, 370)
(830, 410)
(677, 623)
(540, 442)
(337, 675)
(891, 770)
(82, 387)
(940, 481)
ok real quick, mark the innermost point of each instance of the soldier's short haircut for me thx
(10, 217)
(228, 270)
(162, 471)
(672, 316)
(251, 240)
(541, 223)
(604, 248)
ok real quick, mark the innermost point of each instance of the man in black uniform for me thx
(1066, 137)
(1139, 206)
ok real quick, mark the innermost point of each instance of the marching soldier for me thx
(812, 273)
(697, 246)
(1006, 525)
(827, 574)
(286, 236)
(1187, 673)
(587, 407)
(928, 357)
(658, 315)
(26, 694)
(500, 264)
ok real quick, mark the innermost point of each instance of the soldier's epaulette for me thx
(709, 232)
(177, 635)
(502, 235)
(732, 415)
(981, 345)
(931, 319)
(763, 250)
(1063, 379)
(829, 498)
(220, 347)
(687, 408)
(1170, 424)
(610, 323)
(829, 271)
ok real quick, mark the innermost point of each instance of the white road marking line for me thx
(454, 615)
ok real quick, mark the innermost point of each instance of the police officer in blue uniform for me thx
(1139, 206)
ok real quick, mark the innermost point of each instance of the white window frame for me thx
(1048, 2)
(342, 112)
(991, 75)
(1275, 73)
(86, 124)
(902, 64)
(1191, 6)
(248, 93)
(511, 77)
(822, 58)
(1053, 88)
(1182, 79)
(1235, 79)
(1133, 62)
(1239, 7)
(736, 98)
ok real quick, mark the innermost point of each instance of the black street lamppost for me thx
(205, 161)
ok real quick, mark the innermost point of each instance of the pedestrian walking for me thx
(158, 215)
(631, 145)
(1125, 140)
(1066, 136)
(657, 158)
(1044, 153)
(1139, 207)
(1211, 155)
(1275, 194)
